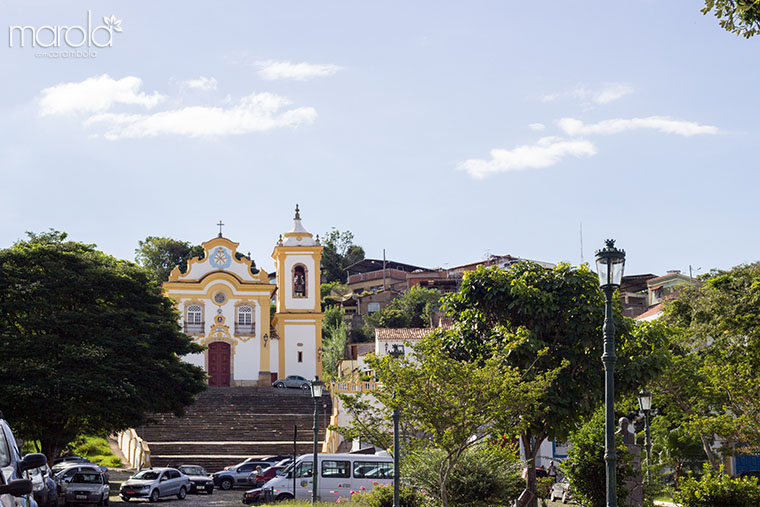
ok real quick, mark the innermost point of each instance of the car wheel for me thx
(304, 386)
(283, 497)
(182, 493)
(279, 385)
(551, 496)
(564, 498)
(155, 495)
(105, 502)
(226, 484)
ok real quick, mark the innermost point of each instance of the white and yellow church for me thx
(226, 307)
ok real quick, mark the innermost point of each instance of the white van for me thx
(339, 475)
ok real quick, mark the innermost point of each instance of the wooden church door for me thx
(219, 364)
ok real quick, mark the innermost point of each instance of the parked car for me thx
(278, 458)
(237, 475)
(294, 381)
(44, 488)
(154, 484)
(13, 489)
(199, 479)
(87, 487)
(71, 466)
(13, 467)
(63, 459)
(63, 477)
(266, 475)
(561, 491)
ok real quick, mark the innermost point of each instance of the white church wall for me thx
(196, 360)
(300, 338)
(246, 361)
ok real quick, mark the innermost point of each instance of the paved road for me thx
(218, 498)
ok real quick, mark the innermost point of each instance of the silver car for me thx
(155, 483)
(87, 487)
(294, 381)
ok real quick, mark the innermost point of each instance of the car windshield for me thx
(85, 478)
(192, 470)
(146, 475)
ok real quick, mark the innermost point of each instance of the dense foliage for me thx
(585, 466)
(382, 496)
(550, 320)
(716, 489)
(89, 344)
(339, 252)
(158, 256)
(711, 388)
(741, 17)
(413, 308)
(484, 475)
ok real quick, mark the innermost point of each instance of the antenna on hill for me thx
(581, 242)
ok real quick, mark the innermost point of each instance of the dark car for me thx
(294, 381)
(199, 479)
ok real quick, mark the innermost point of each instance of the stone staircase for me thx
(227, 425)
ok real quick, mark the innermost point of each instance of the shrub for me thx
(544, 488)
(382, 496)
(96, 449)
(484, 475)
(718, 490)
(585, 466)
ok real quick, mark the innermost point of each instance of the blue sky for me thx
(440, 131)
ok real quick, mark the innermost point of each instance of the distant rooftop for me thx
(368, 265)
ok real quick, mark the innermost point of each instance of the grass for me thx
(299, 503)
(95, 449)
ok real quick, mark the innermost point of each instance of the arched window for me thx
(244, 321)
(299, 281)
(194, 319)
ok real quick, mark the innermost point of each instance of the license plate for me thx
(129, 491)
(81, 497)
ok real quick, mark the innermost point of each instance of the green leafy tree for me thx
(413, 308)
(585, 466)
(740, 17)
(717, 489)
(339, 252)
(547, 318)
(451, 404)
(485, 475)
(159, 256)
(334, 343)
(711, 387)
(91, 338)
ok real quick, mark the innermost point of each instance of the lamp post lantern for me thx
(645, 404)
(396, 352)
(609, 265)
(316, 393)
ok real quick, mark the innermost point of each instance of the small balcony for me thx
(195, 328)
(244, 329)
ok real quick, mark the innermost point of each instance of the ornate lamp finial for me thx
(317, 238)
(610, 243)
(298, 213)
(279, 242)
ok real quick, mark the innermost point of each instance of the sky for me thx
(442, 132)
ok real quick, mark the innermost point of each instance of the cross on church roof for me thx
(298, 214)
(220, 224)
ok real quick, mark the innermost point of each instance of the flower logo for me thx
(113, 23)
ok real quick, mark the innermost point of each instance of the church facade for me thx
(225, 304)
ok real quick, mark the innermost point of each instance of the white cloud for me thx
(575, 127)
(255, 113)
(95, 94)
(537, 126)
(202, 83)
(609, 92)
(546, 152)
(271, 70)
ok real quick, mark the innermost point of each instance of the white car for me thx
(561, 491)
(87, 487)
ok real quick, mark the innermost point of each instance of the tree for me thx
(585, 466)
(547, 318)
(339, 253)
(450, 404)
(711, 387)
(334, 341)
(159, 256)
(91, 338)
(413, 308)
(740, 17)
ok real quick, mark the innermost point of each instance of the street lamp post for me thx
(396, 352)
(316, 394)
(609, 265)
(645, 404)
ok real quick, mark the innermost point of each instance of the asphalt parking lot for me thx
(218, 498)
